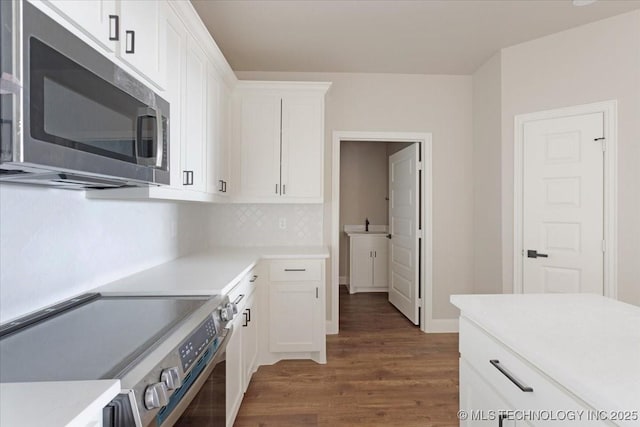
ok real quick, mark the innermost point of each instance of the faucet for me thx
(366, 224)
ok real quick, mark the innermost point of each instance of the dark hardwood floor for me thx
(381, 371)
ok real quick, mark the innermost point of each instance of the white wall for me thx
(594, 62)
(440, 104)
(56, 244)
(487, 146)
(260, 225)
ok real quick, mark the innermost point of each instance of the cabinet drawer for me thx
(488, 357)
(245, 287)
(295, 270)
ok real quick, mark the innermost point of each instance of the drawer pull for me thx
(249, 314)
(253, 279)
(496, 364)
(246, 320)
(295, 269)
(238, 299)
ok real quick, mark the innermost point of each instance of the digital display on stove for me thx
(197, 343)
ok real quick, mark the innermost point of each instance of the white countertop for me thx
(587, 343)
(206, 273)
(68, 403)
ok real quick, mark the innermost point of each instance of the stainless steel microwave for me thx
(69, 116)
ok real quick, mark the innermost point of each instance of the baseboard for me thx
(343, 280)
(370, 289)
(441, 326)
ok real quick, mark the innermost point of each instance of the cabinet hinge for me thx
(420, 302)
(419, 166)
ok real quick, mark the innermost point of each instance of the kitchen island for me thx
(563, 354)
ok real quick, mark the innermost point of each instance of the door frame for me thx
(425, 141)
(610, 112)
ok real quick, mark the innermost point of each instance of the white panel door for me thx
(97, 18)
(563, 193)
(260, 145)
(403, 227)
(302, 147)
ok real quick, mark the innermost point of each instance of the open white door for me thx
(404, 203)
(563, 192)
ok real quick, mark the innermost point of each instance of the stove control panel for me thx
(191, 349)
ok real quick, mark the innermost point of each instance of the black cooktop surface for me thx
(96, 340)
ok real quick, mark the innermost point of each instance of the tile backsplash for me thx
(266, 225)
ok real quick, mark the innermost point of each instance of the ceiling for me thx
(385, 36)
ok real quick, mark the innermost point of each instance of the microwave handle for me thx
(159, 139)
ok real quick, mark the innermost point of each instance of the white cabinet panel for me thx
(361, 263)
(296, 318)
(142, 37)
(302, 147)
(234, 389)
(194, 141)
(249, 340)
(96, 18)
(380, 245)
(258, 140)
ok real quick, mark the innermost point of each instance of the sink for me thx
(360, 229)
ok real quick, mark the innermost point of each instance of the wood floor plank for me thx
(381, 371)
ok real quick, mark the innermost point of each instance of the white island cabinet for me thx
(547, 360)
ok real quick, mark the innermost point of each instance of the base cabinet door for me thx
(250, 319)
(380, 262)
(235, 389)
(368, 263)
(295, 317)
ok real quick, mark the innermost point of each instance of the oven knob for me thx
(171, 378)
(155, 396)
(227, 312)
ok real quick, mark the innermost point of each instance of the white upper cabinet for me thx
(141, 37)
(96, 18)
(278, 142)
(218, 134)
(194, 140)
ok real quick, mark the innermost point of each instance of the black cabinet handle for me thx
(496, 364)
(249, 314)
(276, 188)
(253, 279)
(246, 321)
(188, 178)
(224, 186)
(316, 292)
(238, 299)
(114, 27)
(295, 269)
(130, 39)
(284, 188)
(221, 189)
(535, 254)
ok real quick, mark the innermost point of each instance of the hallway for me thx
(381, 371)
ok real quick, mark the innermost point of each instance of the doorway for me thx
(565, 201)
(422, 141)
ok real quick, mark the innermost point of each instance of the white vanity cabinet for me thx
(369, 262)
(278, 141)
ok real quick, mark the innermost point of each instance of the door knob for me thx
(535, 254)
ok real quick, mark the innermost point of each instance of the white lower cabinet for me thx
(369, 263)
(494, 380)
(234, 379)
(250, 319)
(296, 301)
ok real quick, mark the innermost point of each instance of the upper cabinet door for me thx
(194, 140)
(302, 147)
(142, 37)
(222, 135)
(173, 58)
(258, 139)
(96, 18)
